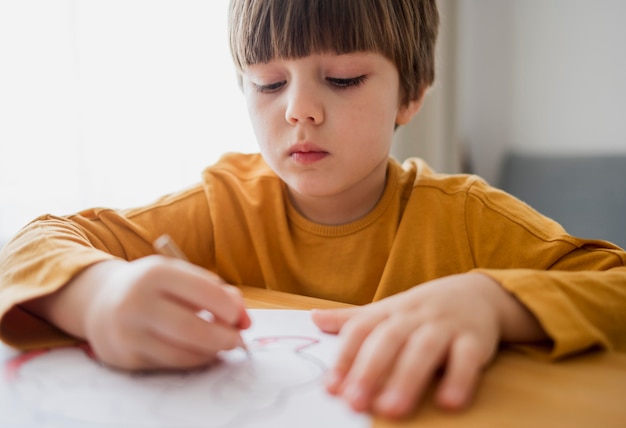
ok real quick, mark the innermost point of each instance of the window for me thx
(111, 103)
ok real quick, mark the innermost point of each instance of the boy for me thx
(445, 267)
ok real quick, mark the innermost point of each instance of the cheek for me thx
(259, 120)
(374, 121)
(261, 108)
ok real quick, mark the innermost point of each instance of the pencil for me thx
(166, 246)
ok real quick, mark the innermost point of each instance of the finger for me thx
(353, 333)
(374, 362)
(332, 320)
(465, 363)
(422, 354)
(142, 350)
(244, 318)
(160, 354)
(184, 329)
(199, 289)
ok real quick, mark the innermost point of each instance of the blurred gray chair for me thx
(586, 194)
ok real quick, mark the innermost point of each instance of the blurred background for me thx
(114, 103)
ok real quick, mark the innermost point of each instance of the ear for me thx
(408, 110)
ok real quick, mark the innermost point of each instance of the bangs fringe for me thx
(294, 29)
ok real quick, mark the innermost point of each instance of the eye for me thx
(270, 87)
(346, 83)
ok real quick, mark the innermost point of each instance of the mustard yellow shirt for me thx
(240, 223)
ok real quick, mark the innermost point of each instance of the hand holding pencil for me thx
(165, 246)
(143, 314)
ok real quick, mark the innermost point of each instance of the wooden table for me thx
(517, 390)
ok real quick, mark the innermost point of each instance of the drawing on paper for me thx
(70, 384)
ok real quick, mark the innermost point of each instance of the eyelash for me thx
(336, 82)
(268, 89)
(347, 83)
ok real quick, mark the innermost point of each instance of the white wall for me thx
(540, 76)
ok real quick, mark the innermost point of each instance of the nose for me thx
(304, 104)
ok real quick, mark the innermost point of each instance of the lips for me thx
(306, 153)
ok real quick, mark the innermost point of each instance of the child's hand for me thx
(391, 349)
(143, 314)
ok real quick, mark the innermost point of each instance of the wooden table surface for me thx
(517, 390)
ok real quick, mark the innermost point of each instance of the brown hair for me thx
(404, 31)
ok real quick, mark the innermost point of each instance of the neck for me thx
(345, 207)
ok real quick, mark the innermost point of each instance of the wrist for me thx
(68, 307)
(516, 322)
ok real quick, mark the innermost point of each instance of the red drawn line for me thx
(13, 366)
(264, 341)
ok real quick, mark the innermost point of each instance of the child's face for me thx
(325, 122)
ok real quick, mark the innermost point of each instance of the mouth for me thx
(305, 153)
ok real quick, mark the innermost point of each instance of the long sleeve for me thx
(575, 287)
(51, 250)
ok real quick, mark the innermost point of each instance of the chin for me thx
(311, 188)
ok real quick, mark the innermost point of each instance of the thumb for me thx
(332, 320)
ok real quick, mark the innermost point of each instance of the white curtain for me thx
(111, 103)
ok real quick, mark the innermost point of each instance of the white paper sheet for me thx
(278, 385)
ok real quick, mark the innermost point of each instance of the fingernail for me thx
(205, 315)
(452, 397)
(357, 397)
(333, 381)
(391, 402)
(244, 319)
